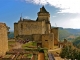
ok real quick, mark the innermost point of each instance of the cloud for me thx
(53, 16)
(40, 2)
(66, 6)
(26, 17)
(74, 22)
(71, 23)
(67, 22)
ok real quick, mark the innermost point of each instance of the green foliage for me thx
(66, 52)
(41, 50)
(76, 42)
(70, 53)
(29, 55)
(29, 44)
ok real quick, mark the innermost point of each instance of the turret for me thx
(21, 18)
(43, 15)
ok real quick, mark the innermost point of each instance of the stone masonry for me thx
(3, 39)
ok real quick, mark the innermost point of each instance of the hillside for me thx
(63, 33)
(68, 33)
(11, 34)
(76, 42)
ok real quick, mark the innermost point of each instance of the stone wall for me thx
(24, 37)
(48, 41)
(48, 28)
(31, 27)
(37, 37)
(15, 29)
(3, 39)
(56, 36)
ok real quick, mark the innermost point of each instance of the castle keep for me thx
(37, 30)
(3, 39)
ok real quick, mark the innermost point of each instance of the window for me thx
(21, 26)
(46, 40)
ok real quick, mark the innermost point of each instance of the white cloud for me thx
(74, 23)
(66, 6)
(71, 23)
(26, 17)
(67, 23)
(53, 16)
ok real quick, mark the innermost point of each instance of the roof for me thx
(28, 20)
(43, 10)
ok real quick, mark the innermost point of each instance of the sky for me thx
(63, 13)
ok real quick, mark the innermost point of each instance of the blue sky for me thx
(63, 13)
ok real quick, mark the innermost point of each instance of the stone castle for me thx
(3, 39)
(37, 30)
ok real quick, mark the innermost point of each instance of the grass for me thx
(46, 52)
(29, 55)
(29, 45)
(11, 43)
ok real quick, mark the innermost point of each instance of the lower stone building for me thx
(48, 41)
(3, 39)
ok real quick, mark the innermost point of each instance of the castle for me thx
(38, 30)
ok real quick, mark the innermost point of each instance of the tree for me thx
(76, 42)
(63, 53)
(70, 53)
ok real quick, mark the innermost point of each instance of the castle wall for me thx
(20, 28)
(37, 37)
(24, 37)
(31, 27)
(3, 39)
(15, 29)
(48, 41)
(48, 28)
(56, 36)
(43, 27)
